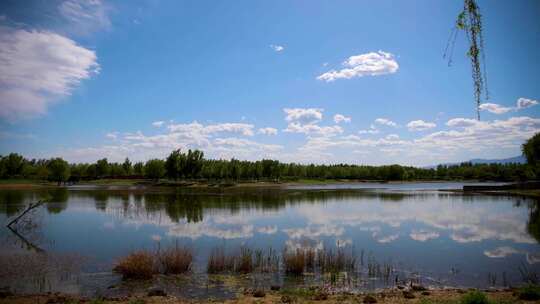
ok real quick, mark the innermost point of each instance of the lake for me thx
(421, 230)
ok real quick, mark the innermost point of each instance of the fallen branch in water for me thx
(28, 209)
(29, 245)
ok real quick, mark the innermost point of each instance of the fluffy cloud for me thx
(521, 103)
(195, 127)
(85, 16)
(500, 252)
(304, 120)
(462, 122)
(158, 123)
(112, 135)
(423, 235)
(341, 118)
(420, 125)
(277, 48)
(465, 139)
(372, 130)
(268, 131)
(37, 68)
(267, 229)
(524, 103)
(193, 135)
(370, 64)
(313, 129)
(303, 115)
(473, 135)
(494, 108)
(383, 239)
(385, 122)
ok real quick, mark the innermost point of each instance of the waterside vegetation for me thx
(191, 166)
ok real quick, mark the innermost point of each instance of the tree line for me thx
(192, 165)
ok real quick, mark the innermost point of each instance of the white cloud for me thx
(392, 137)
(341, 118)
(37, 68)
(383, 239)
(303, 115)
(268, 229)
(521, 103)
(385, 122)
(247, 145)
(85, 16)
(303, 120)
(268, 131)
(420, 125)
(313, 129)
(112, 135)
(314, 232)
(195, 127)
(500, 252)
(370, 64)
(423, 235)
(277, 48)
(372, 130)
(463, 122)
(158, 123)
(524, 103)
(480, 136)
(494, 108)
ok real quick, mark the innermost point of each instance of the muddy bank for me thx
(394, 296)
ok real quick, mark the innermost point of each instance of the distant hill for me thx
(512, 160)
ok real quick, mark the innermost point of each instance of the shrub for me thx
(176, 260)
(294, 262)
(137, 265)
(530, 292)
(474, 297)
(218, 261)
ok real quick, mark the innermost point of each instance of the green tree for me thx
(531, 150)
(102, 167)
(128, 169)
(138, 168)
(194, 163)
(173, 165)
(58, 170)
(154, 169)
(14, 164)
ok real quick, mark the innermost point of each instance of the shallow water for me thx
(438, 237)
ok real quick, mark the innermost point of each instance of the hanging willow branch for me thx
(470, 21)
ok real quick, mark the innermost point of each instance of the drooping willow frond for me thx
(470, 21)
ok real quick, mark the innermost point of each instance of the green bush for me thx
(530, 292)
(474, 297)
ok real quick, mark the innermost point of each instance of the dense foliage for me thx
(193, 166)
(531, 150)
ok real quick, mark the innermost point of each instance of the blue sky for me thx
(253, 79)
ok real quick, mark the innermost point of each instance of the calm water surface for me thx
(439, 237)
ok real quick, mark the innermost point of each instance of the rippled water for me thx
(441, 237)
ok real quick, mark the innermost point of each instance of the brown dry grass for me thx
(176, 260)
(137, 265)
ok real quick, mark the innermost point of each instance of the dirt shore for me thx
(384, 297)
